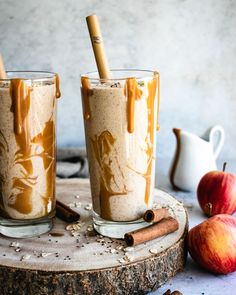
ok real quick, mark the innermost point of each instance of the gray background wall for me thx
(192, 43)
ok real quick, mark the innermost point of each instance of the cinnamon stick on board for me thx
(65, 213)
(156, 215)
(156, 230)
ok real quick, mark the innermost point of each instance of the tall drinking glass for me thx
(120, 118)
(27, 152)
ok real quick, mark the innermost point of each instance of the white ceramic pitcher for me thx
(195, 156)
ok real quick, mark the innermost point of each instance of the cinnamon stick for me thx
(156, 230)
(65, 213)
(155, 215)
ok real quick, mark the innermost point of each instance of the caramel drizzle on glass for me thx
(133, 93)
(20, 94)
(105, 139)
(85, 97)
(157, 76)
(58, 91)
(46, 139)
(102, 147)
(152, 85)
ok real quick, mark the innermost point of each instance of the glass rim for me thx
(46, 75)
(149, 73)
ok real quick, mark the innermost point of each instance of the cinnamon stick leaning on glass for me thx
(156, 215)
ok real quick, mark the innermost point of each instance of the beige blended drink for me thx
(27, 151)
(120, 118)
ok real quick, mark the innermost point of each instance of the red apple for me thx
(212, 244)
(217, 193)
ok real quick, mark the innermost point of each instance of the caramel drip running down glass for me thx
(27, 152)
(121, 119)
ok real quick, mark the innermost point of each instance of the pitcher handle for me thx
(219, 142)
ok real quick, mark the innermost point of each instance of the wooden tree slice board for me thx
(88, 263)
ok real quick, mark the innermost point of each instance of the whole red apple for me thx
(217, 193)
(212, 244)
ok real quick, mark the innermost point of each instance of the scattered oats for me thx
(77, 196)
(45, 254)
(69, 227)
(81, 224)
(127, 255)
(74, 205)
(122, 261)
(88, 207)
(128, 249)
(90, 228)
(25, 257)
(73, 227)
(153, 251)
(14, 244)
(120, 247)
(76, 226)
(18, 249)
(128, 258)
(131, 258)
(74, 233)
(113, 251)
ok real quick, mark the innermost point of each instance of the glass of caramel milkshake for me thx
(27, 152)
(121, 119)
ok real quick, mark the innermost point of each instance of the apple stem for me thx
(208, 207)
(224, 166)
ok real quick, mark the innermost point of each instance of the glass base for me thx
(116, 229)
(26, 228)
